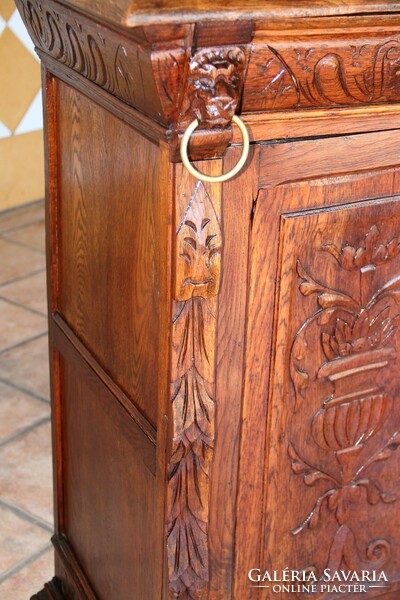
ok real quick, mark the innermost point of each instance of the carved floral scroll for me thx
(323, 72)
(197, 270)
(356, 332)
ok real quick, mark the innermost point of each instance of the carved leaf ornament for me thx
(198, 261)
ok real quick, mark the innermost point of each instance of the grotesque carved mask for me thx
(198, 249)
(214, 85)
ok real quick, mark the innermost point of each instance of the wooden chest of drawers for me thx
(224, 355)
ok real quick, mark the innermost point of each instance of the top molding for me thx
(177, 66)
(138, 13)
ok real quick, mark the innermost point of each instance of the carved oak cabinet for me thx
(224, 355)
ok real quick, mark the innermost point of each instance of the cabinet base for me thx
(51, 591)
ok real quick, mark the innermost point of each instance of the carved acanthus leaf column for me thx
(212, 92)
(198, 247)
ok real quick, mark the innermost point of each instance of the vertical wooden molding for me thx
(198, 245)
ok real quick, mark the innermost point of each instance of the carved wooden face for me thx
(198, 249)
(214, 85)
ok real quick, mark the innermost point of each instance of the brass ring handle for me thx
(225, 176)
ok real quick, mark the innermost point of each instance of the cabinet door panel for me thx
(321, 425)
(334, 422)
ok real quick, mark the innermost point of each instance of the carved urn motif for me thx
(357, 343)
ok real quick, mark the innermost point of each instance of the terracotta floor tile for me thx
(19, 217)
(17, 261)
(27, 366)
(30, 579)
(26, 473)
(18, 411)
(29, 291)
(31, 235)
(19, 539)
(18, 324)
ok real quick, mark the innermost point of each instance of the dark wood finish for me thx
(224, 357)
(51, 591)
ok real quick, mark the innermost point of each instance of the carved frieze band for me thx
(313, 72)
(175, 84)
(122, 66)
(171, 84)
(198, 260)
(356, 329)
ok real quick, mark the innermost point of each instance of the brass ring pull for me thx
(225, 176)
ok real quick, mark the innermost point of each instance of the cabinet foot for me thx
(51, 591)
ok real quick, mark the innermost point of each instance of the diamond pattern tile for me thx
(18, 261)
(20, 112)
(32, 236)
(17, 26)
(22, 216)
(24, 364)
(33, 118)
(18, 325)
(7, 8)
(19, 75)
(16, 154)
(4, 131)
(29, 291)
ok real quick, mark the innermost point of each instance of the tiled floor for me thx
(26, 511)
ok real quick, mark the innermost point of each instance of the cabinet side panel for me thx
(110, 494)
(110, 241)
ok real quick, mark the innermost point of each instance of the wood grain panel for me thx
(110, 243)
(110, 516)
(261, 282)
(61, 334)
(237, 201)
(280, 163)
(322, 122)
